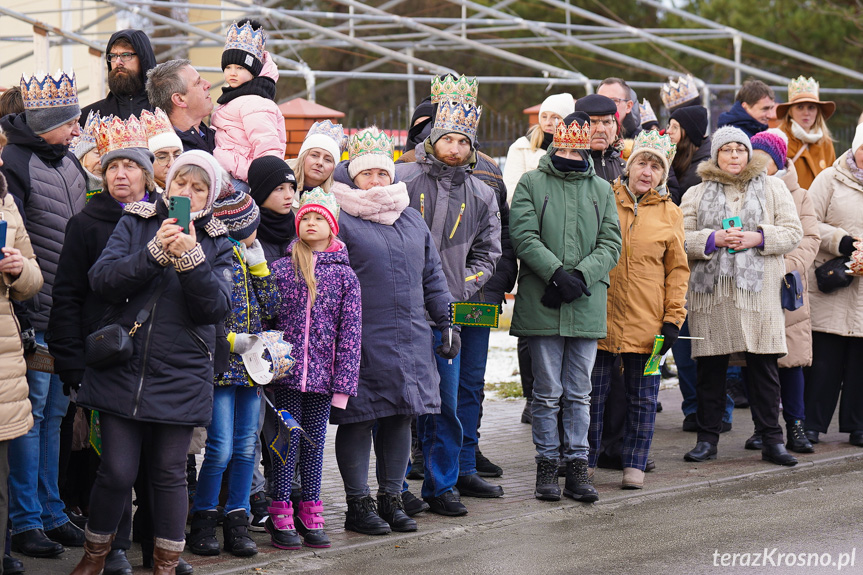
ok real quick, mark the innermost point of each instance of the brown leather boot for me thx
(96, 548)
(166, 556)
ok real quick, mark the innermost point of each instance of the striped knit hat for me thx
(238, 212)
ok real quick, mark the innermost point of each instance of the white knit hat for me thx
(561, 104)
(858, 138)
(323, 142)
(326, 136)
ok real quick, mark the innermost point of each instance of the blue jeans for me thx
(441, 433)
(474, 354)
(230, 439)
(34, 498)
(687, 375)
(561, 384)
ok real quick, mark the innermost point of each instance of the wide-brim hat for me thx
(802, 90)
(827, 107)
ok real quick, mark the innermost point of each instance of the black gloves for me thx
(551, 298)
(447, 351)
(846, 246)
(71, 379)
(671, 333)
(571, 286)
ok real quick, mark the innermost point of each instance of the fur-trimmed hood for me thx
(710, 172)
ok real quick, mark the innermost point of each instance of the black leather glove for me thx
(71, 379)
(551, 298)
(447, 351)
(671, 333)
(846, 246)
(571, 287)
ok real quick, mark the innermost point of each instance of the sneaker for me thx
(486, 468)
(259, 502)
(446, 504)
(413, 504)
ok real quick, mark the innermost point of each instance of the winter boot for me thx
(310, 524)
(166, 556)
(547, 485)
(202, 539)
(578, 485)
(117, 563)
(362, 517)
(527, 412)
(280, 526)
(236, 532)
(797, 440)
(96, 548)
(391, 509)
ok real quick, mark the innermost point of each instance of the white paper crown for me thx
(676, 92)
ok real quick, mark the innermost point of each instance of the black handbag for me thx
(831, 275)
(792, 291)
(112, 344)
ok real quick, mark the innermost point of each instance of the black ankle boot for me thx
(362, 517)
(547, 485)
(202, 539)
(116, 563)
(392, 510)
(578, 485)
(797, 438)
(777, 454)
(236, 531)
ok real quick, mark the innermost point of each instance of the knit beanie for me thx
(561, 104)
(727, 135)
(266, 174)
(141, 156)
(858, 138)
(244, 46)
(321, 202)
(775, 143)
(238, 212)
(204, 161)
(693, 120)
(326, 136)
(48, 102)
(370, 149)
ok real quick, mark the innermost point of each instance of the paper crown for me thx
(334, 131)
(676, 92)
(457, 117)
(156, 123)
(49, 92)
(370, 141)
(651, 141)
(281, 361)
(318, 197)
(116, 134)
(572, 137)
(452, 89)
(247, 39)
(801, 87)
(88, 134)
(646, 112)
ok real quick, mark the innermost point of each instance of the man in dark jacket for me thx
(603, 131)
(49, 185)
(753, 106)
(129, 56)
(178, 89)
(463, 215)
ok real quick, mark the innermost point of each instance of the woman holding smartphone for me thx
(181, 275)
(739, 223)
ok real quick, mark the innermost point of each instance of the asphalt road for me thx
(800, 519)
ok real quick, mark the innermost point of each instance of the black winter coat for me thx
(691, 178)
(169, 378)
(608, 164)
(125, 106)
(192, 139)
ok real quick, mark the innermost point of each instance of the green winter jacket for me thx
(570, 220)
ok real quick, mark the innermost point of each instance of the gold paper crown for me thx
(247, 39)
(451, 89)
(802, 87)
(370, 141)
(49, 92)
(116, 134)
(156, 123)
(457, 117)
(651, 141)
(572, 137)
(646, 112)
(676, 92)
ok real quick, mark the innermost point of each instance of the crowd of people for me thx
(159, 263)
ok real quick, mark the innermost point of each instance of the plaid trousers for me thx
(641, 392)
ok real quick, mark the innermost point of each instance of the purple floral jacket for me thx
(327, 336)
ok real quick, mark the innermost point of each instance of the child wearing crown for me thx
(248, 122)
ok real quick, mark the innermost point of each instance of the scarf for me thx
(855, 170)
(382, 205)
(806, 137)
(569, 165)
(712, 280)
(276, 228)
(547, 139)
(261, 86)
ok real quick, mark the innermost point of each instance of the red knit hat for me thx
(323, 203)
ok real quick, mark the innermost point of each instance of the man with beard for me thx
(464, 218)
(178, 89)
(130, 56)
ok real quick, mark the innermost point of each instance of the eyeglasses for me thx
(164, 158)
(122, 56)
(729, 151)
(619, 101)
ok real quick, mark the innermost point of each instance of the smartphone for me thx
(179, 207)
(3, 225)
(733, 222)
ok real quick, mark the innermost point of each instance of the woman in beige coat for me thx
(736, 269)
(21, 280)
(772, 146)
(837, 317)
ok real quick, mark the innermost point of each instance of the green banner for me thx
(475, 314)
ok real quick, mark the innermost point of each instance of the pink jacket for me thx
(249, 127)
